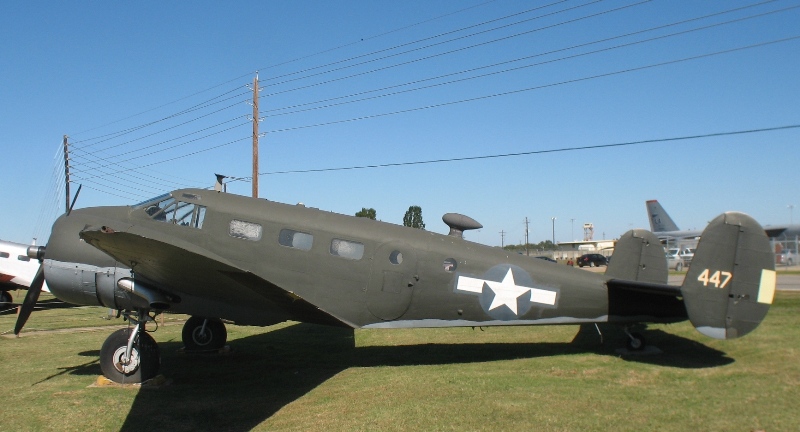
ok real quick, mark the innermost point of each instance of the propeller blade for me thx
(30, 300)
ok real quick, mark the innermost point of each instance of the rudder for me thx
(731, 283)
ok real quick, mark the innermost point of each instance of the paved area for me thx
(786, 282)
(788, 277)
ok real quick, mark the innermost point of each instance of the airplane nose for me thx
(74, 270)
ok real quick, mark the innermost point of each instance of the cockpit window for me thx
(151, 201)
(177, 212)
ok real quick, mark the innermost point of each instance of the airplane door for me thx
(392, 280)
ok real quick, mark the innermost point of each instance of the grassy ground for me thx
(304, 377)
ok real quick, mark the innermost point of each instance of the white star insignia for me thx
(506, 292)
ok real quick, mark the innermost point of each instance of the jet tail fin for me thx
(659, 219)
(731, 283)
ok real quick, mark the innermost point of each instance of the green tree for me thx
(367, 213)
(413, 218)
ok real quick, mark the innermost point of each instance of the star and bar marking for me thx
(506, 292)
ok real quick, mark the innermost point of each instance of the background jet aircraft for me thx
(664, 228)
(17, 270)
(251, 261)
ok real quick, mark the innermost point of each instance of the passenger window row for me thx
(347, 249)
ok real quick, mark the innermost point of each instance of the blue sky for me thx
(154, 97)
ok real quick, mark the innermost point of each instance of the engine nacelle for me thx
(112, 287)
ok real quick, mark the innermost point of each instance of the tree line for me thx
(412, 218)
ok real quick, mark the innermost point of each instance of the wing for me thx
(187, 269)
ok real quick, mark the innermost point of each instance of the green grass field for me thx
(304, 377)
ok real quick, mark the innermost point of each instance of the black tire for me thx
(636, 342)
(5, 297)
(194, 339)
(145, 357)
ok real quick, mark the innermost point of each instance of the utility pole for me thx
(255, 136)
(66, 170)
(554, 232)
(573, 228)
(526, 236)
(502, 239)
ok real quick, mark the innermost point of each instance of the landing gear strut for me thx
(5, 297)
(130, 355)
(204, 334)
(636, 341)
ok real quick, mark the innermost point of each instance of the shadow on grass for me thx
(266, 372)
(52, 303)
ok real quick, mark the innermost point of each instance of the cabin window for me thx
(3, 254)
(347, 249)
(296, 239)
(23, 258)
(449, 265)
(245, 230)
(396, 257)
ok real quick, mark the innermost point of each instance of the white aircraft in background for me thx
(16, 270)
(665, 229)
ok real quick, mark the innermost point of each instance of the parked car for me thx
(674, 262)
(685, 254)
(592, 260)
(786, 257)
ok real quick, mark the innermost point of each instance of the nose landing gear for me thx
(130, 355)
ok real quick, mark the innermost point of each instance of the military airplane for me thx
(665, 228)
(218, 256)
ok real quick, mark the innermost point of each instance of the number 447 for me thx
(719, 278)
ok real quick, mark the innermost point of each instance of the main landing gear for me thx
(132, 356)
(204, 334)
(635, 341)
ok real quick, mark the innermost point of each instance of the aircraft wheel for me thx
(195, 338)
(678, 267)
(5, 297)
(636, 342)
(144, 362)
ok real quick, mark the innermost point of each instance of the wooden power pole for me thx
(66, 170)
(255, 136)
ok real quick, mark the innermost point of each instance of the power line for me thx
(381, 35)
(453, 103)
(527, 89)
(426, 39)
(235, 79)
(462, 48)
(276, 111)
(537, 152)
